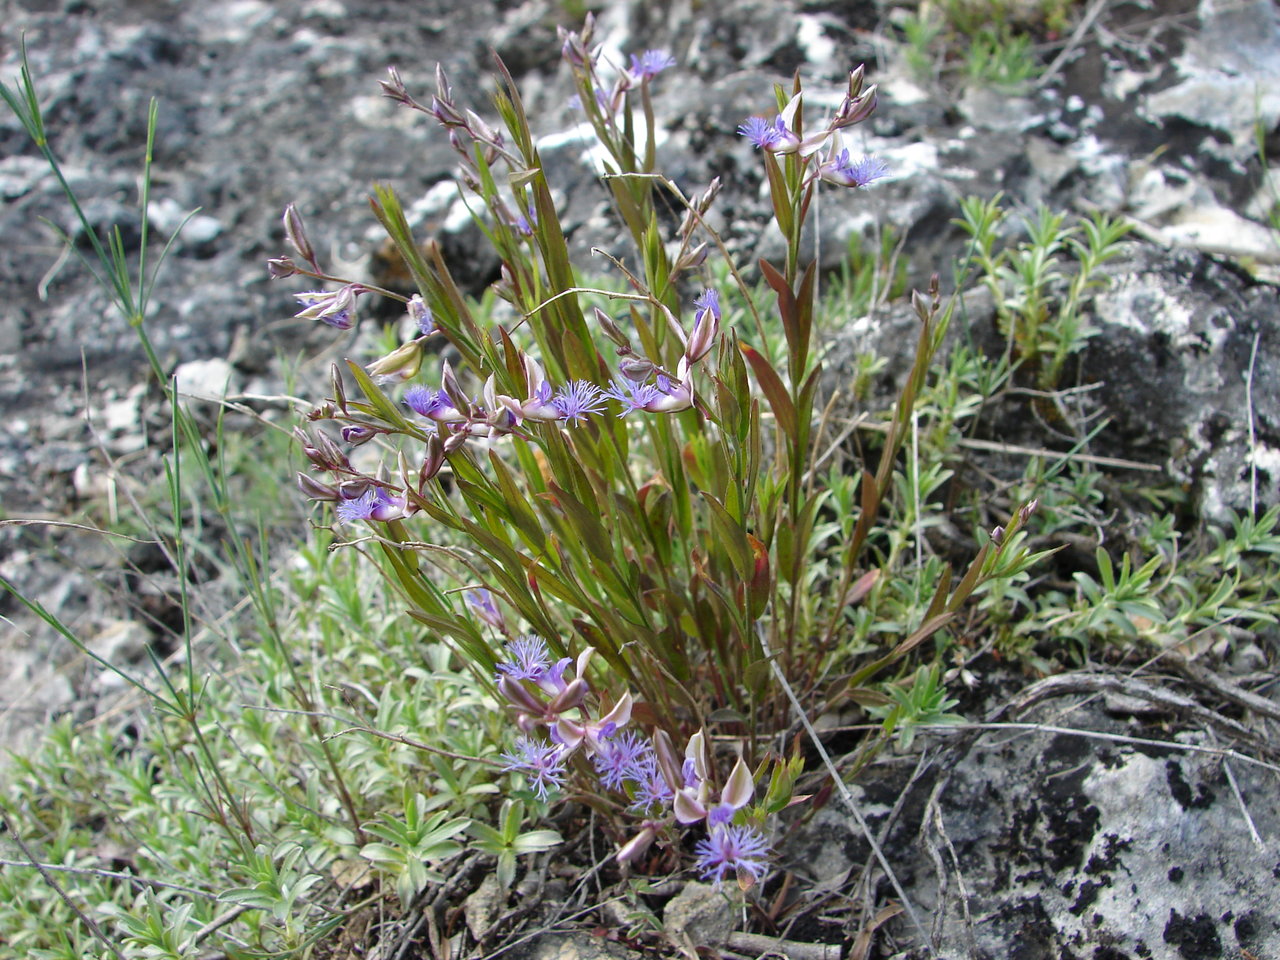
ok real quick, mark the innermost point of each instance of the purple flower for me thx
(707, 303)
(424, 401)
(736, 850)
(846, 172)
(374, 504)
(529, 658)
(720, 815)
(651, 63)
(650, 786)
(632, 395)
(617, 758)
(541, 762)
(577, 399)
(431, 404)
(773, 136)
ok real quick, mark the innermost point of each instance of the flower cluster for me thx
(658, 785)
(541, 696)
(604, 101)
(454, 417)
(781, 135)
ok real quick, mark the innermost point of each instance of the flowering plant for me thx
(651, 517)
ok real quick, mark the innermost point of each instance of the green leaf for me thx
(731, 537)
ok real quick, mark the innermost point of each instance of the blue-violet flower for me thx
(617, 758)
(577, 399)
(374, 504)
(846, 172)
(529, 659)
(541, 762)
(651, 63)
(773, 136)
(737, 850)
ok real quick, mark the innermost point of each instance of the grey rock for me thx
(205, 379)
(1176, 357)
(700, 915)
(571, 946)
(1229, 75)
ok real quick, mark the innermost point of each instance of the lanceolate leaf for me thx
(771, 385)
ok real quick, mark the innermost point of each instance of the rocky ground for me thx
(1037, 847)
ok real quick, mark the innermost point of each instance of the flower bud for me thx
(400, 364)
(856, 109)
(514, 692)
(296, 233)
(339, 390)
(1026, 510)
(450, 388)
(611, 330)
(636, 369)
(454, 441)
(637, 845)
(433, 459)
(313, 489)
(393, 88)
(856, 77)
(358, 433)
(421, 315)
(280, 267)
(704, 201)
(443, 90)
(354, 489)
(691, 259)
